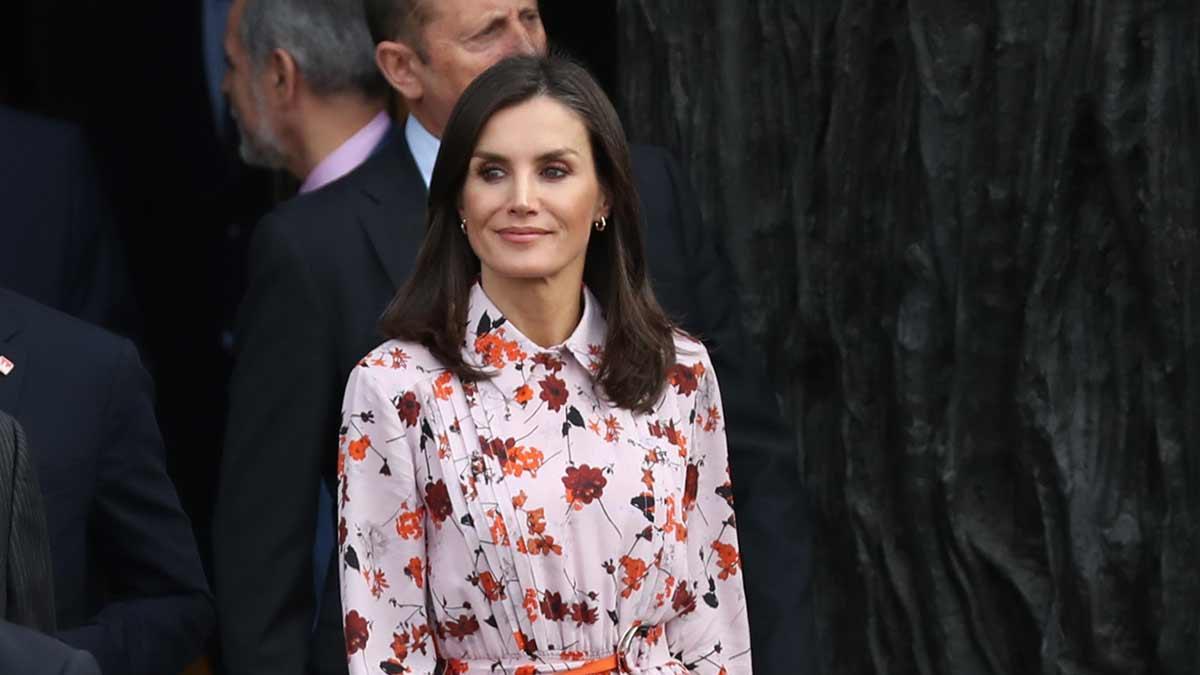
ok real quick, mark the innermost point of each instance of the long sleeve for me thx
(772, 506)
(159, 614)
(381, 531)
(711, 634)
(281, 429)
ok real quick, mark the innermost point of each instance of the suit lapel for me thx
(12, 328)
(392, 210)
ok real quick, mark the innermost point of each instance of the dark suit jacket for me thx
(28, 652)
(323, 267)
(58, 246)
(26, 581)
(128, 584)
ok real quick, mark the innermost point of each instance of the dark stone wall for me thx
(966, 238)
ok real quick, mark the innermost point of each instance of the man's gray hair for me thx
(328, 39)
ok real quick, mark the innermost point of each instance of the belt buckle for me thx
(623, 647)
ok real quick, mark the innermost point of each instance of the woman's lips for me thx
(521, 235)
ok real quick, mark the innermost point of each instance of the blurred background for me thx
(965, 235)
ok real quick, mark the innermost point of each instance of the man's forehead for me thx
(464, 12)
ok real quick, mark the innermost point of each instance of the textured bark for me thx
(966, 239)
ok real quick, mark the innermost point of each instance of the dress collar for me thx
(497, 346)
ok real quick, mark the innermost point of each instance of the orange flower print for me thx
(713, 419)
(357, 632)
(523, 394)
(673, 525)
(521, 460)
(536, 520)
(408, 408)
(527, 669)
(539, 546)
(519, 500)
(441, 386)
(573, 656)
(341, 463)
(531, 605)
(379, 583)
(583, 484)
(525, 643)
(499, 529)
(554, 392)
(358, 449)
(457, 667)
(413, 571)
(728, 559)
(400, 646)
(496, 351)
(671, 434)
(612, 429)
(683, 379)
(635, 571)
(408, 523)
(399, 358)
(492, 590)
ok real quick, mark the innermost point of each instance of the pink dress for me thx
(523, 524)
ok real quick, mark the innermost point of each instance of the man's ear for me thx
(282, 78)
(398, 62)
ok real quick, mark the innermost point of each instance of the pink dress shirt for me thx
(348, 155)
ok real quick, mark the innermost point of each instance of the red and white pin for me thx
(6, 366)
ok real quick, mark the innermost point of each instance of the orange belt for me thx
(602, 666)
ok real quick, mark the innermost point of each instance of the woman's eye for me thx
(554, 172)
(491, 173)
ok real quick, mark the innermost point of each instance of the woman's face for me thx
(531, 193)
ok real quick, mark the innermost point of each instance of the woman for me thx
(534, 472)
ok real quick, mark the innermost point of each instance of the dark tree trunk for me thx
(966, 237)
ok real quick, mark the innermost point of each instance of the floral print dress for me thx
(522, 524)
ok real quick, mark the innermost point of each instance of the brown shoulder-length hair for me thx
(431, 308)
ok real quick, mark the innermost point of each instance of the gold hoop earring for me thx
(600, 224)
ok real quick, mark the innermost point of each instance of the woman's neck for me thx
(545, 310)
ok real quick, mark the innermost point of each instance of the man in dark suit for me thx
(128, 585)
(57, 244)
(326, 264)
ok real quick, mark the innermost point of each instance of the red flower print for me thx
(728, 559)
(457, 667)
(343, 532)
(441, 386)
(690, 487)
(523, 394)
(408, 408)
(539, 546)
(536, 520)
(356, 632)
(497, 448)
(683, 379)
(464, 626)
(437, 498)
(635, 570)
(413, 571)
(583, 485)
(554, 392)
(683, 601)
(553, 607)
(358, 449)
(549, 361)
(582, 614)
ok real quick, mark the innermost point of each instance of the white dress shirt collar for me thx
(423, 146)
